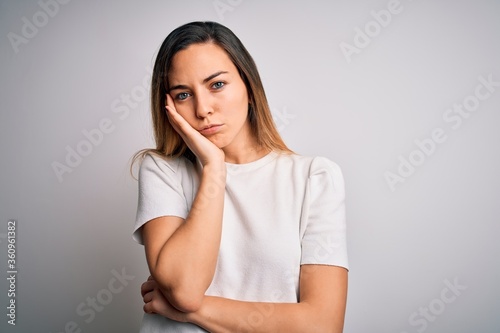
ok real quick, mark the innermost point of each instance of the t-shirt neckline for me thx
(245, 167)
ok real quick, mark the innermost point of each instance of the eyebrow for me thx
(210, 77)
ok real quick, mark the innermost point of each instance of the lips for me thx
(210, 129)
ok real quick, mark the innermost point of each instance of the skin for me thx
(206, 89)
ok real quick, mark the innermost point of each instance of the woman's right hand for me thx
(206, 151)
(182, 252)
(156, 302)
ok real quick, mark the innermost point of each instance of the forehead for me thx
(199, 61)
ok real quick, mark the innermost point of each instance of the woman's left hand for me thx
(155, 302)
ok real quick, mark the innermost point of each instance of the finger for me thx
(170, 101)
(170, 105)
(197, 143)
(148, 297)
(178, 121)
(170, 108)
(148, 308)
(175, 125)
(174, 117)
(147, 287)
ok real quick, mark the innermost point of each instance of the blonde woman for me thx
(240, 233)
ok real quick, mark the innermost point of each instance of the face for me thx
(209, 93)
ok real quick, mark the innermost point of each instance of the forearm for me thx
(186, 263)
(220, 315)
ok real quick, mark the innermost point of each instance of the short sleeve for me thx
(160, 192)
(323, 225)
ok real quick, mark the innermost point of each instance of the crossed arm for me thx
(323, 293)
(182, 256)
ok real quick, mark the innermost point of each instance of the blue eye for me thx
(182, 96)
(218, 85)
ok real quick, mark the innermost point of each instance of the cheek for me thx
(240, 98)
(186, 112)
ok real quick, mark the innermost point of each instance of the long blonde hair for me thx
(168, 141)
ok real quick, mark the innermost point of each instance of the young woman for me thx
(240, 233)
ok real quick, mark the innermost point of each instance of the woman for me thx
(240, 233)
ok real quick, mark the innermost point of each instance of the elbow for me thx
(185, 300)
(182, 295)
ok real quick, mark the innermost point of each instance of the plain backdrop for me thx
(403, 95)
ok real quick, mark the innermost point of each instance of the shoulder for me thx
(154, 166)
(152, 162)
(322, 165)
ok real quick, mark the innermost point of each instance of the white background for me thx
(73, 72)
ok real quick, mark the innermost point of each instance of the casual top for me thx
(280, 212)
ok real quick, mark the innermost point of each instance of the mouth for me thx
(210, 129)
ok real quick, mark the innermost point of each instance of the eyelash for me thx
(179, 96)
(220, 84)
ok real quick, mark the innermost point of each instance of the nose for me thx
(203, 105)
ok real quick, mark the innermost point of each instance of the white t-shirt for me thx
(280, 212)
